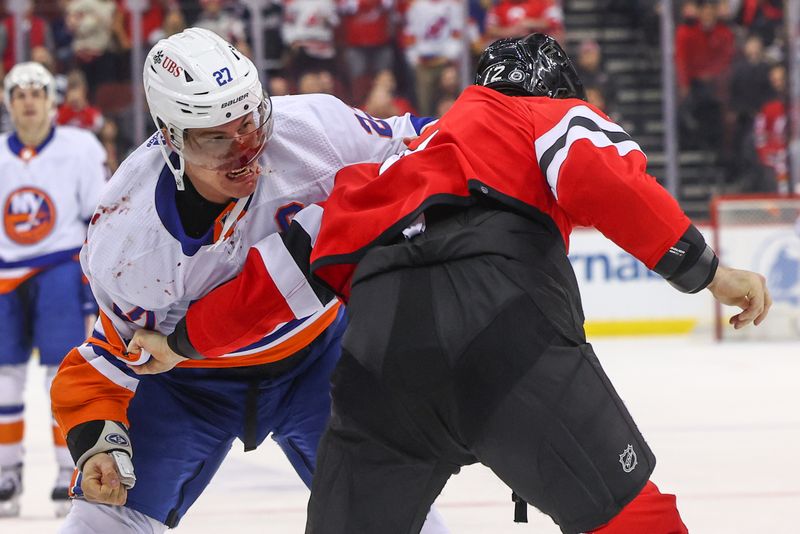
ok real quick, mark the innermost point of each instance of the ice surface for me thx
(723, 420)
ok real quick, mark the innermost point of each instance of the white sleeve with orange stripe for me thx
(93, 383)
(88, 387)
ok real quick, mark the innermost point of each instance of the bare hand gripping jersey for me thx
(145, 271)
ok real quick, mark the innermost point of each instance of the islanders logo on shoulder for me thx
(29, 215)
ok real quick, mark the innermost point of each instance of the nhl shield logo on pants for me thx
(628, 459)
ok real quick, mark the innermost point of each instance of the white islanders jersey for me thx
(145, 271)
(48, 193)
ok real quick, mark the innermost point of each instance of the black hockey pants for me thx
(466, 345)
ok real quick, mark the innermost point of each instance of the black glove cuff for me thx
(690, 264)
(699, 275)
(93, 437)
(178, 342)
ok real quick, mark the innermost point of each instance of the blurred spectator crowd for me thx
(395, 56)
(386, 56)
(732, 82)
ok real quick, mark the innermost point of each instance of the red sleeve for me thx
(239, 312)
(601, 187)
(274, 287)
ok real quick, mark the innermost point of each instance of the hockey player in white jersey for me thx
(230, 168)
(50, 181)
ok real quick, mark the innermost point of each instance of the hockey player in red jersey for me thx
(466, 341)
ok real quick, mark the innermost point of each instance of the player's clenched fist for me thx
(101, 481)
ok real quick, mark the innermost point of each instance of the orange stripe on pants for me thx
(11, 433)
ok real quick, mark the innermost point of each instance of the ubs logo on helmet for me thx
(171, 67)
(29, 215)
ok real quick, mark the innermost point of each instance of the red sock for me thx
(651, 511)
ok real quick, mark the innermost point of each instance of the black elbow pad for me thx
(690, 264)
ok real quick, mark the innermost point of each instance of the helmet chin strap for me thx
(176, 173)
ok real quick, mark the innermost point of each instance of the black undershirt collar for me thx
(196, 213)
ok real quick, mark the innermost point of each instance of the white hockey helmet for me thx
(29, 74)
(196, 79)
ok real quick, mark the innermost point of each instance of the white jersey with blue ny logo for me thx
(48, 192)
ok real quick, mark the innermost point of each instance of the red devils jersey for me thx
(560, 161)
(564, 160)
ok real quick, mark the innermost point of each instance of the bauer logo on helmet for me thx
(235, 100)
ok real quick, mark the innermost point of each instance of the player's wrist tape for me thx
(178, 342)
(94, 437)
(124, 468)
(690, 264)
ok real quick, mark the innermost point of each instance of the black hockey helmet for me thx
(535, 65)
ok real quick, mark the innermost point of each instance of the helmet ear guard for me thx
(535, 65)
